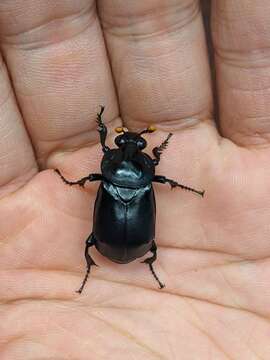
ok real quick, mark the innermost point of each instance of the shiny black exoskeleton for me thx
(125, 209)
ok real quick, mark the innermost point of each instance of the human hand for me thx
(213, 253)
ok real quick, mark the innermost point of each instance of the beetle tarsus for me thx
(102, 129)
(89, 261)
(161, 285)
(82, 181)
(102, 108)
(173, 184)
(150, 261)
(157, 151)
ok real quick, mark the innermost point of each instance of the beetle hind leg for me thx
(150, 261)
(89, 261)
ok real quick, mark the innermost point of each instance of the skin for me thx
(213, 253)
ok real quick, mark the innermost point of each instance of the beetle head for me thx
(132, 139)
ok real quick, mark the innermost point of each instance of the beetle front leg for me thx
(164, 180)
(102, 129)
(82, 181)
(150, 261)
(89, 261)
(157, 151)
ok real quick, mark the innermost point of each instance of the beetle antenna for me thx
(120, 130)
(150, 129)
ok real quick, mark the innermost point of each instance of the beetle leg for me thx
(89, 261)
(157, 151)
(163, 180)
(150, 261)
(102, 129)
(82, 181)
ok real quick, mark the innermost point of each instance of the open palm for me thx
(213, 253)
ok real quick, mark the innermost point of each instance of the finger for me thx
(159, 60)
(241, 34)
(57, 59)
(17, 162)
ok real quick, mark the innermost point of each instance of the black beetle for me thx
(125, 209)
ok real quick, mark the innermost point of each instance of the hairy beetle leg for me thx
(150, 261)
(89, 261)
(164, 180)
(157, 151)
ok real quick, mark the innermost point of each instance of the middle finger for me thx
(159, 59)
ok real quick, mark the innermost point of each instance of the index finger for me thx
(17, 162)
(57, 59)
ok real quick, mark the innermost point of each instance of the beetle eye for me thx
(120, 140)
(141, 143)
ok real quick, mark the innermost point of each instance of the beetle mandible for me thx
(125, 209)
